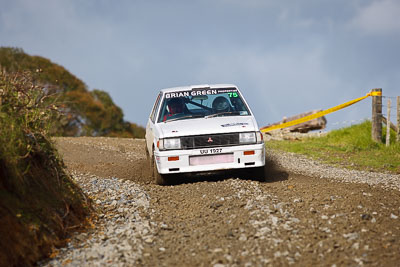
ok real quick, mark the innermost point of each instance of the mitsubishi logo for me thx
(210, 140)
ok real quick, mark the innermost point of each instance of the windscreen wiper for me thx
(223, 114)
(186, 117)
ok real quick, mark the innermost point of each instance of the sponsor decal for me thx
(201, 92)
(234, 124)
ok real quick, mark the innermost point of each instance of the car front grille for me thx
(209, 140)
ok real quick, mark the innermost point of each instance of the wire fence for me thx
(381, 113)
(393, 115)
(393, 106)
(388, 109)
(350, 122)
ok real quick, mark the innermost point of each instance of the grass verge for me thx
(350, 147)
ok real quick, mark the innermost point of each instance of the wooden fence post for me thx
(388, 123)
(398, 119)
(377, 116)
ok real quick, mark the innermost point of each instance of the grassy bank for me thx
(349, 147)
(39, 203)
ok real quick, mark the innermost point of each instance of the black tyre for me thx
(160, 179)
(148, 158)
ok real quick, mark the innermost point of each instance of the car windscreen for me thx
(181, 105)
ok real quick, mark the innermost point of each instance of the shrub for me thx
(38, 200)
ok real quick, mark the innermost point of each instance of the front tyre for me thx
(160, 179)
(149, 160)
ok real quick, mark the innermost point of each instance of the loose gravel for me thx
(303, 165)
(304, 214)
(120, 229)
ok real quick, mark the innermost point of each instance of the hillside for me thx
(40, 205)
(85, 112)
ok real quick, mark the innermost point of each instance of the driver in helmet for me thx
(221, 104)
(174, 106)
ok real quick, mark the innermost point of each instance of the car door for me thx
(150, 127)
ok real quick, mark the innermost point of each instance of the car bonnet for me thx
(215, 125)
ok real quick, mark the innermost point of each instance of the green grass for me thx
(350, 147)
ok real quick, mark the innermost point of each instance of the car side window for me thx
(155, 108)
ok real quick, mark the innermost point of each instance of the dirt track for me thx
(286, 219)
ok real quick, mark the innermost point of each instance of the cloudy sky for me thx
(286, 56)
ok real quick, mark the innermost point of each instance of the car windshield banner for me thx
(196, 92)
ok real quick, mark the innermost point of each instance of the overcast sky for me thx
(286, 56)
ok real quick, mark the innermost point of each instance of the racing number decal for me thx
(233, 94)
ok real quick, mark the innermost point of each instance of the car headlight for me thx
(169, 143)
(247, 138)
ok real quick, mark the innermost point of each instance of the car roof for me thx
(198, 86)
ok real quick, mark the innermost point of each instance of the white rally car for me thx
(202, 128)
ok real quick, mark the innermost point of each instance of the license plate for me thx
(211, 159)
(210, 151)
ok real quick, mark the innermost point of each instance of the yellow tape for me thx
(318, 114)
(375, 93)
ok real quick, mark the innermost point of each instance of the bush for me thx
(38, 200)
(25, 114)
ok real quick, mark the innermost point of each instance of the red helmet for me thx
(175, 105)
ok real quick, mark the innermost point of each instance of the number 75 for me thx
(233, 94)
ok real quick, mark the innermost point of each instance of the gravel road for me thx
(304, 213)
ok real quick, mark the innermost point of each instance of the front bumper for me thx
(210, 159)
